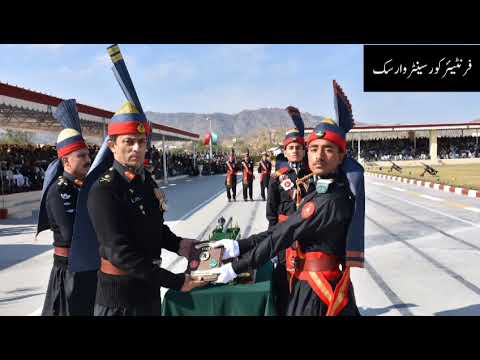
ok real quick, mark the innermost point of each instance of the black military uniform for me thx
(265, 170)
(68, 293)
(324, 238)
(61, 201)
(320, 227)
(282, 191)
(247, 170)
(281, 203)
(128, 220)
(231, 179)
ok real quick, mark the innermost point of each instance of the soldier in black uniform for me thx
(282, 196)
(231, 178)
(247, 179)
(324, 238)
(265, 170)
(63, 181)
(128, 219)
(127, 215)
(320, 284)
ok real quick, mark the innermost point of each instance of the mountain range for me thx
(230, 125)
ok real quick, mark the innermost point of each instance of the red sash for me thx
(264, 173)
(247, 174)
(299, 266)
(230, 174)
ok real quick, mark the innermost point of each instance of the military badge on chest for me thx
(136, 201)
(286, 183)
(66, 192)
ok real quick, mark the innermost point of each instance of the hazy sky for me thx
(225, 78)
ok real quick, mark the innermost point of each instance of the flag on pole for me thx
(210, 137)
(214, 138)
(207, 139)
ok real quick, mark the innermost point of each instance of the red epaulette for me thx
(282, 171)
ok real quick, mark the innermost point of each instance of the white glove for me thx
(232, 249)
(225, 274)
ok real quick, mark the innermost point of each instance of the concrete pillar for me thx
(433, 145)
(358, 157)
(165, 175)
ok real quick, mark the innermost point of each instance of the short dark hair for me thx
(113, 138)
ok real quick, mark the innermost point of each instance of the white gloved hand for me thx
(225, 274)
(232, 249)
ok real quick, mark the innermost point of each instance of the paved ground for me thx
(422, 247)
(422, 252)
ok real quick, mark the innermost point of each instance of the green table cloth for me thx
(225, 300)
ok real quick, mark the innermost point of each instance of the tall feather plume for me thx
(123, 76)
(124, 80)
(297, 119)
(66, 113)
(343, 108)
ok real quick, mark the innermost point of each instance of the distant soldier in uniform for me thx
(63, 181)
(325, 236)
(282, 197)
(247, 180)
(265, 170)
(282, 190)
(231, 178)
(126, 212)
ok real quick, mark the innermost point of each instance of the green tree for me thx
(16, 137)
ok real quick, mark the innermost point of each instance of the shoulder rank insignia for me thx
(105, 178)
(322, 185)
(62, 181)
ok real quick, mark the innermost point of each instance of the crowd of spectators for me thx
(458, 148)
(22, 167)
(394, 149)
(179, 163)
(405, 149)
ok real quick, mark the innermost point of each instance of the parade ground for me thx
(422, 246)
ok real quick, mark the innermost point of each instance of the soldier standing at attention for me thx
(264, 169)
(282, 195)
(63, 181)
(247, 169)
(231, 178)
